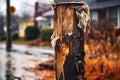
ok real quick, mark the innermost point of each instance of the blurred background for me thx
(32, 57)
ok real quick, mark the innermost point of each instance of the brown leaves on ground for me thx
(41, 74)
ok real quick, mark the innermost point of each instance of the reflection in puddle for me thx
(9, 73)
(2, 69)
(19, 66)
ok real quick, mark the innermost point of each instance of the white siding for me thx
(52, 22)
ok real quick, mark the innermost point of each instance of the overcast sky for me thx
(22, 6)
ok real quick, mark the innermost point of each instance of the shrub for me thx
(15, 36)
(31, 33)
(3, 38)
(46, 34)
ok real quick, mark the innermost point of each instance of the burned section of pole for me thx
(74, 65)
(72, 22)
(8, 34)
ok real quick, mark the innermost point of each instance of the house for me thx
(107, 9)
(50, 18)
(48, 22)
(23, 25)
(100, 9)
(40, 9)
(41, 22)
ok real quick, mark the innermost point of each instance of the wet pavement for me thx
(23, 62)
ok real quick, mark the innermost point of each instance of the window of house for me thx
(94, 16)
(49, 22)
(41, 25)
(113, 15)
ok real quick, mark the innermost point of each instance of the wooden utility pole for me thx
(8, 34)
(68, 38)
(8, 43)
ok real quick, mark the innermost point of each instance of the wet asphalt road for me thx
(22, 57)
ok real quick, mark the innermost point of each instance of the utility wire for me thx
(21, 1)
(27, 4)
(1, 4)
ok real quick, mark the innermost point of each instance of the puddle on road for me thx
(29, 71)
(2, 69)
(26, 66)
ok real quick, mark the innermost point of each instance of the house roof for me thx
(40, 18)
(48, 13)
(97, 4)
